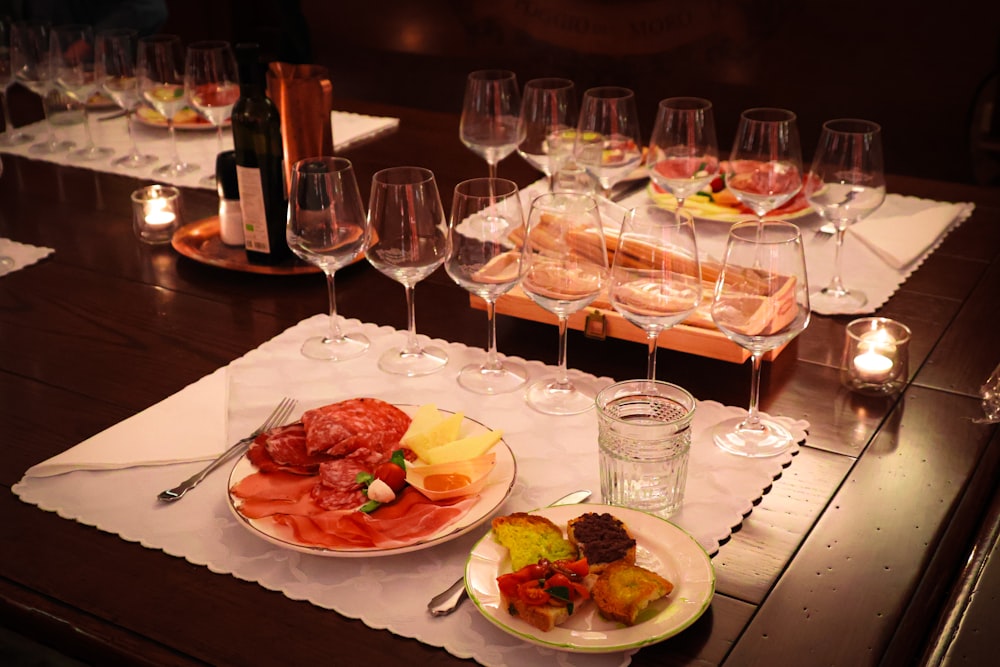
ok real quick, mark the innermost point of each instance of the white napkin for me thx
(900, 239)
(349, 128)
(20, 254)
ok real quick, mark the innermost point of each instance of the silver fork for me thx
(277, 417)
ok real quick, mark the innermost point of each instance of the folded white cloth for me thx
(20, 255)
(351, 128)
(901, 239)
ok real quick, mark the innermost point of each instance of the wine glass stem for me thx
(173, 142)
(492, 361)
(753, 413)
(651, 338)
(218, 140)
(412, 345)
(335, 332)
(86, 130)
(562, 377)
(8, 126)
(131, 134)
(492, 169)
(836, 285)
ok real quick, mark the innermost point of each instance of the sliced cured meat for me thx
(284, 448)
(340, 428)
(337, 487)
(267, 494)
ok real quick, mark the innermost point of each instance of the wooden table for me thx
(848, 560)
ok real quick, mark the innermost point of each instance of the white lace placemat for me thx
(555, 455)
(15, 256)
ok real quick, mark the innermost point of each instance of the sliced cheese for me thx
(466, 448)
(437, 434)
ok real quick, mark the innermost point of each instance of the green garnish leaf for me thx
(560, 593)
(370, 506)
(364, 478)
(399, 459)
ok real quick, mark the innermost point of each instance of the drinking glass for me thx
(683, 151)
(116, 51)
(161, 83)
(845, 184)
(409, 241)
(548, 124)
(6, 262)
(566, 267)
(212, 85)
(73, 50)
(327, 227)
(608, 144)
(486, 243)
(761, 302)
(11, 136)
(765, 165)
(656, 275)
(489, 125)
(30, 62)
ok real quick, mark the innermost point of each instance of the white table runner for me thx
(555, 455)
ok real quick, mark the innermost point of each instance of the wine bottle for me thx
(259, 170)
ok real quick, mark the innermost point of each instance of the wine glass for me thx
(74, 57)
(11, 136)
(6, 262)
(566, 267)
(486, 243)
(116, 51)
(327, 227)
(160, 69)
(489, 125)
(409, 241)
(845, 184)
(212, 85)
(761, 302)
(683, 151)
(765, 165)
(608, 144)
(656, 275)
(30, 62)
(548, 124)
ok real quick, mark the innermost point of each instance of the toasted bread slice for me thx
(623, 590)
(544, 617)
(602, 539)
(530, 537)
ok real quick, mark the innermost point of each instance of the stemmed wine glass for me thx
(76, 72)
(761, 302)
(566, 267)
(765, 165)
(409, 241)
(29, 56)
(683, 151)
(488, 125)
(845, 184)
(656, 275)
(116, 50)
(6, 262)
(486, 233)
(608, 143)
(327, 227)
(212, 85)
(11, 136)
(548, 124)
(161, 84)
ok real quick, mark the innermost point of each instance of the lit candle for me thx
(156, 213)
(871, 366)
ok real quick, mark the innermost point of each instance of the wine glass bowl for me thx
(489, 123)
(486, 233)
(117, 56)
(409, 242)
(78, 71)
(32, 68)
(683, 150)
(845, 184)
(760, 302)
(327, 227)
(765, 166)
(548, 124)
(608, 142)
(11, 136)
(212, 85)
(160, 70)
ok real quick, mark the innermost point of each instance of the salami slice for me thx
(341, 428)
(284, 448)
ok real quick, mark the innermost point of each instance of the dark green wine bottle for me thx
(259, 169)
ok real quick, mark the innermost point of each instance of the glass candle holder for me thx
(876, 356)
(156, 213)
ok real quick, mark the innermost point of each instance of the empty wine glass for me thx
(11, 136)
(160, 68)
(765, 165)
(548, 124)
(116, 50)
(212, 85)
(608, 143)
(327, 227)
(6, 262)
(409, 241)
(486, 243)
(845, 184)
(30, 62)
(761, 302)
(683, 151)
(566, 267)
(76, 72)
(656, 275)
(488, 125)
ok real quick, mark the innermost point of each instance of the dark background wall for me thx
(925, 71)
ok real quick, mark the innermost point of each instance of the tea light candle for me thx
(155, 213)
(875, 355)
(872, 366)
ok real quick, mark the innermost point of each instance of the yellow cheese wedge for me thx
(443, 431)
(465, 448)
(426, 416)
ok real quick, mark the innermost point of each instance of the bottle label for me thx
(254, 213)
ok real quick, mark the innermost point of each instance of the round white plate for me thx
(660, 546)
(498, 487)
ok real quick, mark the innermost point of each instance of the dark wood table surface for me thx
(848, 560)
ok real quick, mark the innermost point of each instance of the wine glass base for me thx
(549, 397)
(828, 299)
(50, 147)
(335, 349)
(424, 362)
(176, 169)
(770, 440)
(482, 380)
(92, 153)
(15, 138)
(134, 161)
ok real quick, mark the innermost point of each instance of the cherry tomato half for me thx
(393, 475)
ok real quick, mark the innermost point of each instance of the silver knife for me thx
(447, 601)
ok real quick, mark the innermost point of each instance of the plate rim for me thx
(209, 228)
